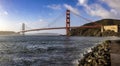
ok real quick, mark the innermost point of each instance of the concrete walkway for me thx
(115, 53)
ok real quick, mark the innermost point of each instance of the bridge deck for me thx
(60, 28)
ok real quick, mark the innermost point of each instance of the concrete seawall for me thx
(115, 53)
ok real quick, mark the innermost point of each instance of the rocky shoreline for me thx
(99, 56)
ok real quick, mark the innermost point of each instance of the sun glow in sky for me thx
(42, 13)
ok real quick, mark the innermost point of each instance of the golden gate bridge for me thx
(67, 27)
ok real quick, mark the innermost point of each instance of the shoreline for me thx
(99, 56)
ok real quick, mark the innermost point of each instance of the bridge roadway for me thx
(60, 28)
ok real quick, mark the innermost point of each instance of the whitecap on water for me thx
(32, 47)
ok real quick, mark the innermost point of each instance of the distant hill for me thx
(105, 22)
(8, 33)
(96, 31)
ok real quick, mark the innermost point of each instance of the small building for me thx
(115, 28)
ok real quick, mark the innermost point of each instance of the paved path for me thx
(115, 53)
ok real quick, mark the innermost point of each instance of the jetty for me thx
(105, 54)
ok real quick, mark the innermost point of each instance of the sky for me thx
(51, 13)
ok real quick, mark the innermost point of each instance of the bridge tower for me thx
(68, 22)
(23, 28)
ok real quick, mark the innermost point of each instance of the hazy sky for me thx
(41, 13)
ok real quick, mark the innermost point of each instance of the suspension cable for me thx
(82, 17)
(56, 19)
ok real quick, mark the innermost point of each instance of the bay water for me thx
(45, 50)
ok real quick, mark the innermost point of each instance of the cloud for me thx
(3, 12)
(54, 7)
(112, 3)
(96, 9)
(74, 10)
(82, 2)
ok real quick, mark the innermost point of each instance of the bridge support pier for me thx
(23, 29)
(68, 22)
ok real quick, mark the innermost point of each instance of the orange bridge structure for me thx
(67, 27)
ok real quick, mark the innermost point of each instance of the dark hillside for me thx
(96, 31)
(105, 22)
